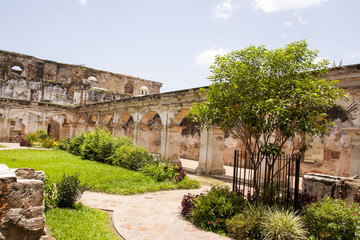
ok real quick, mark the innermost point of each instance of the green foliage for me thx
(257, 93)
(211, 210)
(333, 219)
(75, 143)
(80, 222)
(260, 222)
(268, 97)
(246, 225)
(69, 191)
(130, 157)
(163, 170)
(41, 139)
(51, 198)
(98, 145)
(278, 224)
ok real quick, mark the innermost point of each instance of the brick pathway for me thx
(150, 216)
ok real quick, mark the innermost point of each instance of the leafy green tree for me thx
(267, 97)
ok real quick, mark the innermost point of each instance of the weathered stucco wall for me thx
(15, 65)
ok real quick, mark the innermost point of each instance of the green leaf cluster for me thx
(266, 97)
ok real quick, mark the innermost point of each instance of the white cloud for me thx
(287, 23)
(300, 19)
(224, 10)
(83, 2)
(284, 5)
(206, 58)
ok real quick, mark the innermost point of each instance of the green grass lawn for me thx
(1, 146)
(97, 176)
(79, 223)
(84, 222)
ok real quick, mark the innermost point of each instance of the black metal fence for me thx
(270, 180)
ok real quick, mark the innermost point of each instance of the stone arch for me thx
(107, 122)
(129, 88)
(150, 132)
(21, 123)
(127, 123)
(53, 129)
(178, 117)
(81, 119)
(92, 120)
(189, 140)
(107, 119)
(149, 117)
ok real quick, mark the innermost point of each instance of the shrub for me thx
(212, 210)
(278, 224)
(75, 143)
(40, 138)
(333, 219)
(69, 190)
(64, 144)
(164, 171)
(98, 145)
(51, 194)
(188, 204)
(305, 199)
(246, 225)
(130, 157)
(24, 143)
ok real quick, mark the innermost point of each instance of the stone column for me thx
(5, 131)
(136, 133)
(170, 143)
(211, 161)
(355, 150)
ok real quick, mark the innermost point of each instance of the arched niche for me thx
(150, 132)
(92, 120)
(189, 140)
(127, 122)
(107, 119)
(178, 117)
(53, 129)
(129, 88)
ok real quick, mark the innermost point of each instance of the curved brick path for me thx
(150, 216)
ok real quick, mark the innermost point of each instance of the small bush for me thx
(24, 143)
(164, 171)
(98, 145)
(75, 143)
(333, 219)
(64, 144)
(188, 204)
(40, 138)
(305, 199)
(69, 190)
(51, 194)
(278, 224)
(130, 157)
(212, 210)
(246, 225)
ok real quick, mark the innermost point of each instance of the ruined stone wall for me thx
(15, 66)
(19, 118)
(22, 204)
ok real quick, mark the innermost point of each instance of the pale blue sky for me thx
(173, 41)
